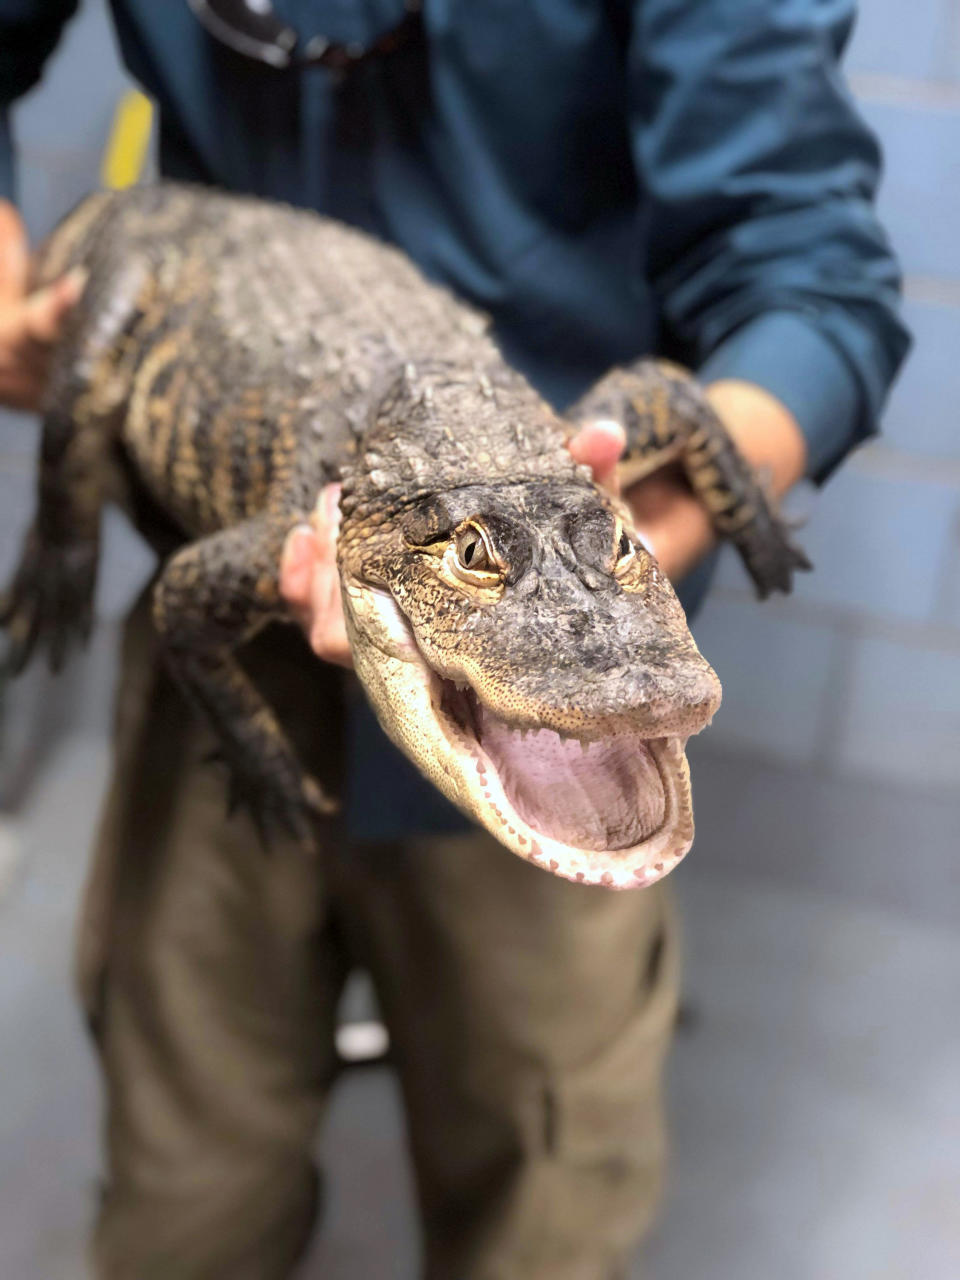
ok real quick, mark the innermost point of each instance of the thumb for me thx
(326, 518)
(14, 254)
(599, 445)
(45, 310)
(310, 549)
(298, 563)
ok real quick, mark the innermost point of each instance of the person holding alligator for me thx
(605, 181)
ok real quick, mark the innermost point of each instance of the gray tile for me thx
(923, 48)
(903, 715)
(62, 126)
(74, 103)
(921, 417)
(920, 194)
(815, 1102)
(11, 856)
(877, 543)
(49, 1110)
(851, 840)
(371, 1225)
(16, 508)
(18, 441)
(776, 675)
(47, 190)
(948, 599)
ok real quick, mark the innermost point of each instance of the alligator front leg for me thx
(211, 596)
(668, 418)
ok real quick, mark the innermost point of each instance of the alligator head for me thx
(515, 638)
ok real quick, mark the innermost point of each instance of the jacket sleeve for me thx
(765, 252)
(29, 30)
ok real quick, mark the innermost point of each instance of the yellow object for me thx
(129, 141)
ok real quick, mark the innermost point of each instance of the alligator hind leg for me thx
(210, 597)
(49, 602)
(668, 418)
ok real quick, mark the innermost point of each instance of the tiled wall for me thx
(860, 671)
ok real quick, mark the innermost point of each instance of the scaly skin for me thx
(229, 358)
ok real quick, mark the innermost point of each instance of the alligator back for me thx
(239, 341)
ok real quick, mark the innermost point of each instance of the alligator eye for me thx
(626, 551)
(470, 558)
(472, 550)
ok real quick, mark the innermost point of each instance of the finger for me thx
(326, 519)
(301, 554)
(328, 636)
(45, 310)
(14, 254)
(599, 445)
(310, 584)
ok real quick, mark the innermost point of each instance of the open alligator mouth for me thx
(611, 807)
(605, 794)
(607, 803)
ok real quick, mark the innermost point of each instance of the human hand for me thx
(310, 583)
(29, 322)
(670, 519)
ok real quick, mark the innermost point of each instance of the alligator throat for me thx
(601, 795)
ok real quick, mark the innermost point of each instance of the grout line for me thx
(835, 710)
(888, 90)
(11, 856)
(948, 578)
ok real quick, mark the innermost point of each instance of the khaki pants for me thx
(529, 1018)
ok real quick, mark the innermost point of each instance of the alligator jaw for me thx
(612, 811)
(469, 756)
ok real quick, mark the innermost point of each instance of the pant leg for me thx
(211, 973)
(530, 1019)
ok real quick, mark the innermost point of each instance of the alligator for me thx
(230, 357)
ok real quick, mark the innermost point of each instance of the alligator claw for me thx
(281, 800)
(770, 558)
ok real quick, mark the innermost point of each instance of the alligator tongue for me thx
(602, 795)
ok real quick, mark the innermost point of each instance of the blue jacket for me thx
(605, 177)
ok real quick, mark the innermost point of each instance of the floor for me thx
(815, 1091)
